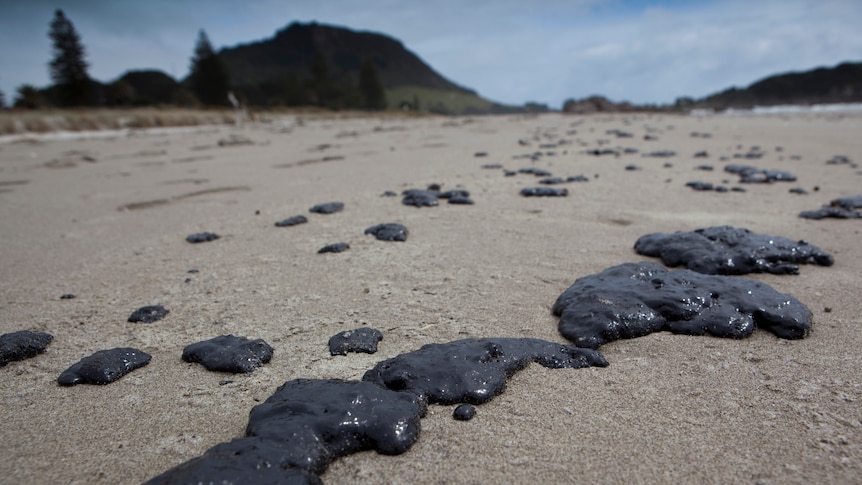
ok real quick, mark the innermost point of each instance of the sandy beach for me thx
(105, 218)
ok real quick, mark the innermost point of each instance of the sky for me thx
(510, 51)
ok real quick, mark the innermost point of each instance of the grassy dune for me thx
(22, 122)
(43, 121)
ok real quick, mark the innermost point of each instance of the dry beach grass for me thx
(46, 121)
(105, 219)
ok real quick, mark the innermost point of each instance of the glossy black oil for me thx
(363, 339)
(201, 237)
(538, 172)
(830, 212)
(730, 250)
(849, 202)
(456, 193)
(464, 412)
(753, 175)
(148, 314)
(22, 344)
(700, 186)
(334, 248)
(104, 366)
(304, 426)
(327, 208)
(460, 200)
(388, 232)
(636, 299)
(420, 198)
(292, 221)
(473, 370)
(228, 353)
(241, 461)
(318, 421)
(544, 192)
(661, 154)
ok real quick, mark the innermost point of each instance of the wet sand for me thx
(106, 219)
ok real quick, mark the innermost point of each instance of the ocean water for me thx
(785, 109)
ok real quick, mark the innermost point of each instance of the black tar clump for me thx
(228, 353)
(388, 232)
(295, 434)
(202, 237)
(148, 314)
(292, 221)
(339, 247)
(635, 299)
(21, 345)
(731, 251)
(473, 370)
(362, 339)
(327, 208)
(104, 366)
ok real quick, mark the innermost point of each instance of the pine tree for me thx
(320, 84)
(294, 95)
(68, 68)
(209, 78)
(373, 95)
(2, 100)
(27, 96)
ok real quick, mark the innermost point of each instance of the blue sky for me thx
(510, 51)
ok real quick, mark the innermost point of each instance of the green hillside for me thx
(839, 84)
(436, 100)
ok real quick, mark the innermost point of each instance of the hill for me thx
(149, 87)
(839, 84)
(294, 50)
(288, 68)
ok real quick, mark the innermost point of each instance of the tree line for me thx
(208, 82)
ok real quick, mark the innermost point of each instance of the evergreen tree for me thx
(319, 69)
(121, 93)
(294, 94)
(320, 84)
(2, 100)
(68, 68)
(374, 97)
(29, 97)
(209, 78)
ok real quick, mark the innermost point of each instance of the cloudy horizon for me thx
(509, 51)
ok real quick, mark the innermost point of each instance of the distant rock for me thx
(595, 104)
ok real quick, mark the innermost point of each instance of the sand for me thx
(106, 219)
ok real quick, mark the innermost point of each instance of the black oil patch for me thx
(292, 221)
(334, 248)
(23, 344)
(362, 339)
(636, 299)
(729, 250)
(148, 314)
(327, 208)
(104, 366)
(420, 198)
(544, 192)
(201, 237)
(228, 353)
(388, 232)
(473, 370)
